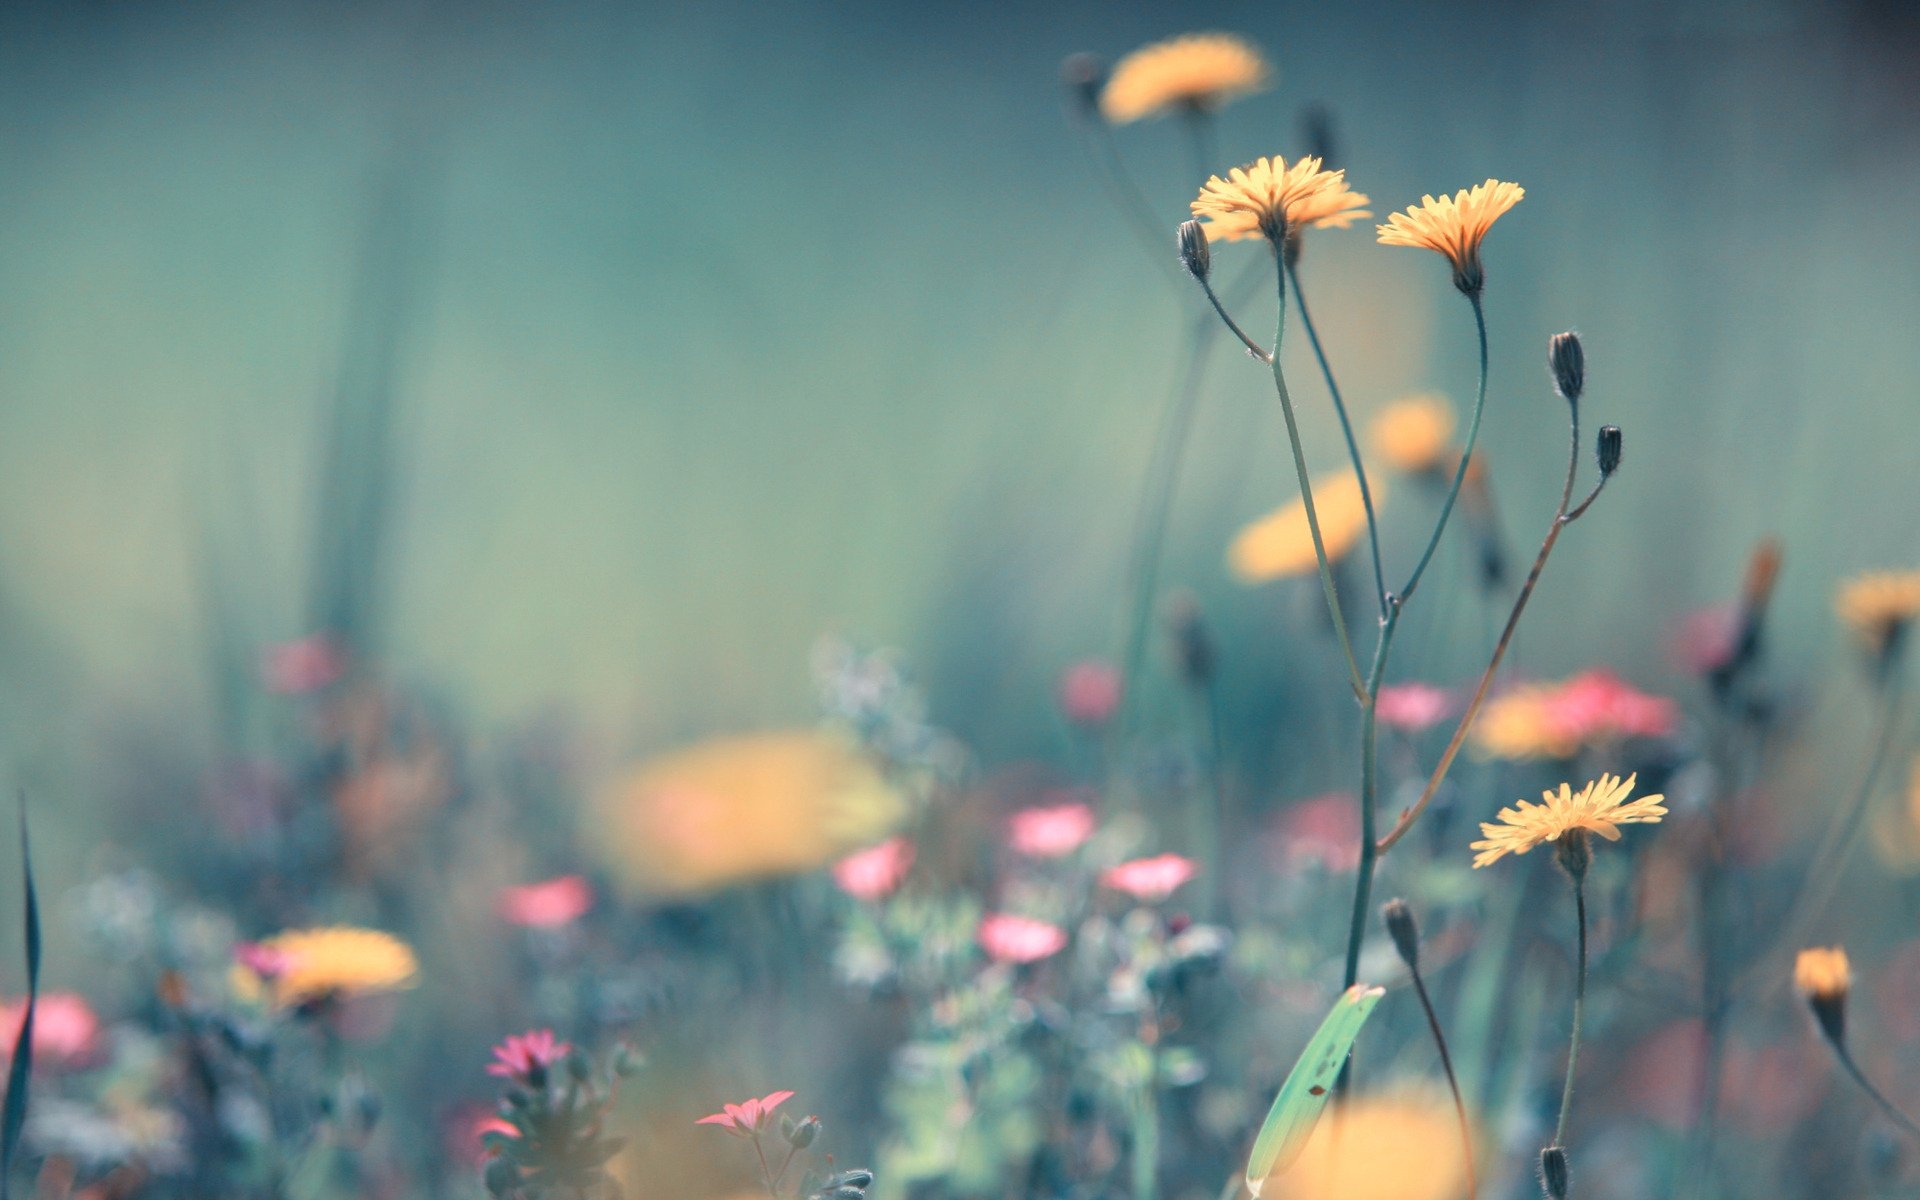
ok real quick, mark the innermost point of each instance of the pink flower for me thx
(1051, 831)
(268, 962)
(1412, 706)
(1324, 831)
(748, 1119)
(1597, 704)
(546, 905)
(875, 871)
(1090, 692)
(1014, 939)
(302, 666)
(526, 1056)
(1150, 879)
(65, 1030)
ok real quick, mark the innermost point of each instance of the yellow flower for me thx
(1397, 1146)
(744, 807)
(1879, 605)
(1454, 225)
(1524, 723)
(1601, 807)
(340, 961)
(1198, 71)
(1267, 198)
(1412, 435)
(1280, 544)
(1822, 973)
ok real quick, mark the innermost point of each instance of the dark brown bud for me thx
(1195, 255)
(1403, 930)
(1568, 362)
(1553, 1172)
(1606, 449)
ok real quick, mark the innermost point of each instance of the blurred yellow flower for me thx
(1897, 833)
(1401, 1145)
(1413, 434)
(745, 807)
(1822, 973)
(1280, 544)
(1523, 723)
(1454, 225)
(1877, 606)
(1600, 807)
(1197, 71)
(334, 962)
(1267, 198)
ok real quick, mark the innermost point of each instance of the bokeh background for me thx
(701, 330)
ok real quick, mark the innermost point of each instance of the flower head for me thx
(875, 871)
(1413, 434)
(1822, 972)
(1150, 879)
(526, 1057)
(1267, 198)
(1557, 720)
(1412, 706)
(1399, 1145)
(1197, 71)
(546, 905)
(1050, 831)
(1600, 807)
(335, 962)
(1009, 938)
(1455, 226)
(1090, 692)
(66, 1031)
(748, 1118)
(1280, 544)
(1878, 607)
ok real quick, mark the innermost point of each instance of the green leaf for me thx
(1309, 1085)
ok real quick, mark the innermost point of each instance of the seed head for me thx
(1606, 449)
(1195, 255)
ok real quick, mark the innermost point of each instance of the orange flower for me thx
(1412, 434)
(1454, 226)
(1600, 807)
(1198, 72)
(1280, 544)
(1267, 198)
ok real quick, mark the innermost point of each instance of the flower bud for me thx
(1553, 1172)
(1823, 977)
(1084, 75)
(1403, 930)
(1195, 255)
(1606, 449)
(802, 1133)
(1568, 363)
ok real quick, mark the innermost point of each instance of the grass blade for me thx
(1309, 1085)
(13, 1118)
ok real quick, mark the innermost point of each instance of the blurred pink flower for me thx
(1412, 706)
(268, 962)
(1150, 879)
(1599, 704)
(749, 1118)
(874, 872)
(1014, 939)
(523, 1056)
(466, 1128)
(1324, 831)
(1090, 692)
(303, 665)
(1704, 640)
(546, 905)
(66, 1032)
(1051, 831)
(1764, 1089)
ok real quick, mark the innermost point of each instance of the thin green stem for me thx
(1453, 1084)
(1369, 784)
(1579, 1005)
(1885, 1105)
(1124, 191)
(1346, 429)
(1306, 494)
(1466, 454)
(1254, 348)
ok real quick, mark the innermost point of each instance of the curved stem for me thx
(1886, 1106)
(1254, 348)
(1579, 1004)
(1306, 491)
(1346, 429)
(1466, 453)
(1124, 191)
(1453, 1084)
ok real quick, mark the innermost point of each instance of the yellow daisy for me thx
(1822, 973)
(744, 807)
(1267, 198)
(1454, 225)
(1402, 1145)
(1280, 544)
(1879, 605)
(1197, 71)
(1413, 434)
(1601, 807)
(301, 966)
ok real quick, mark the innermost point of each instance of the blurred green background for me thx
(724, 325)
